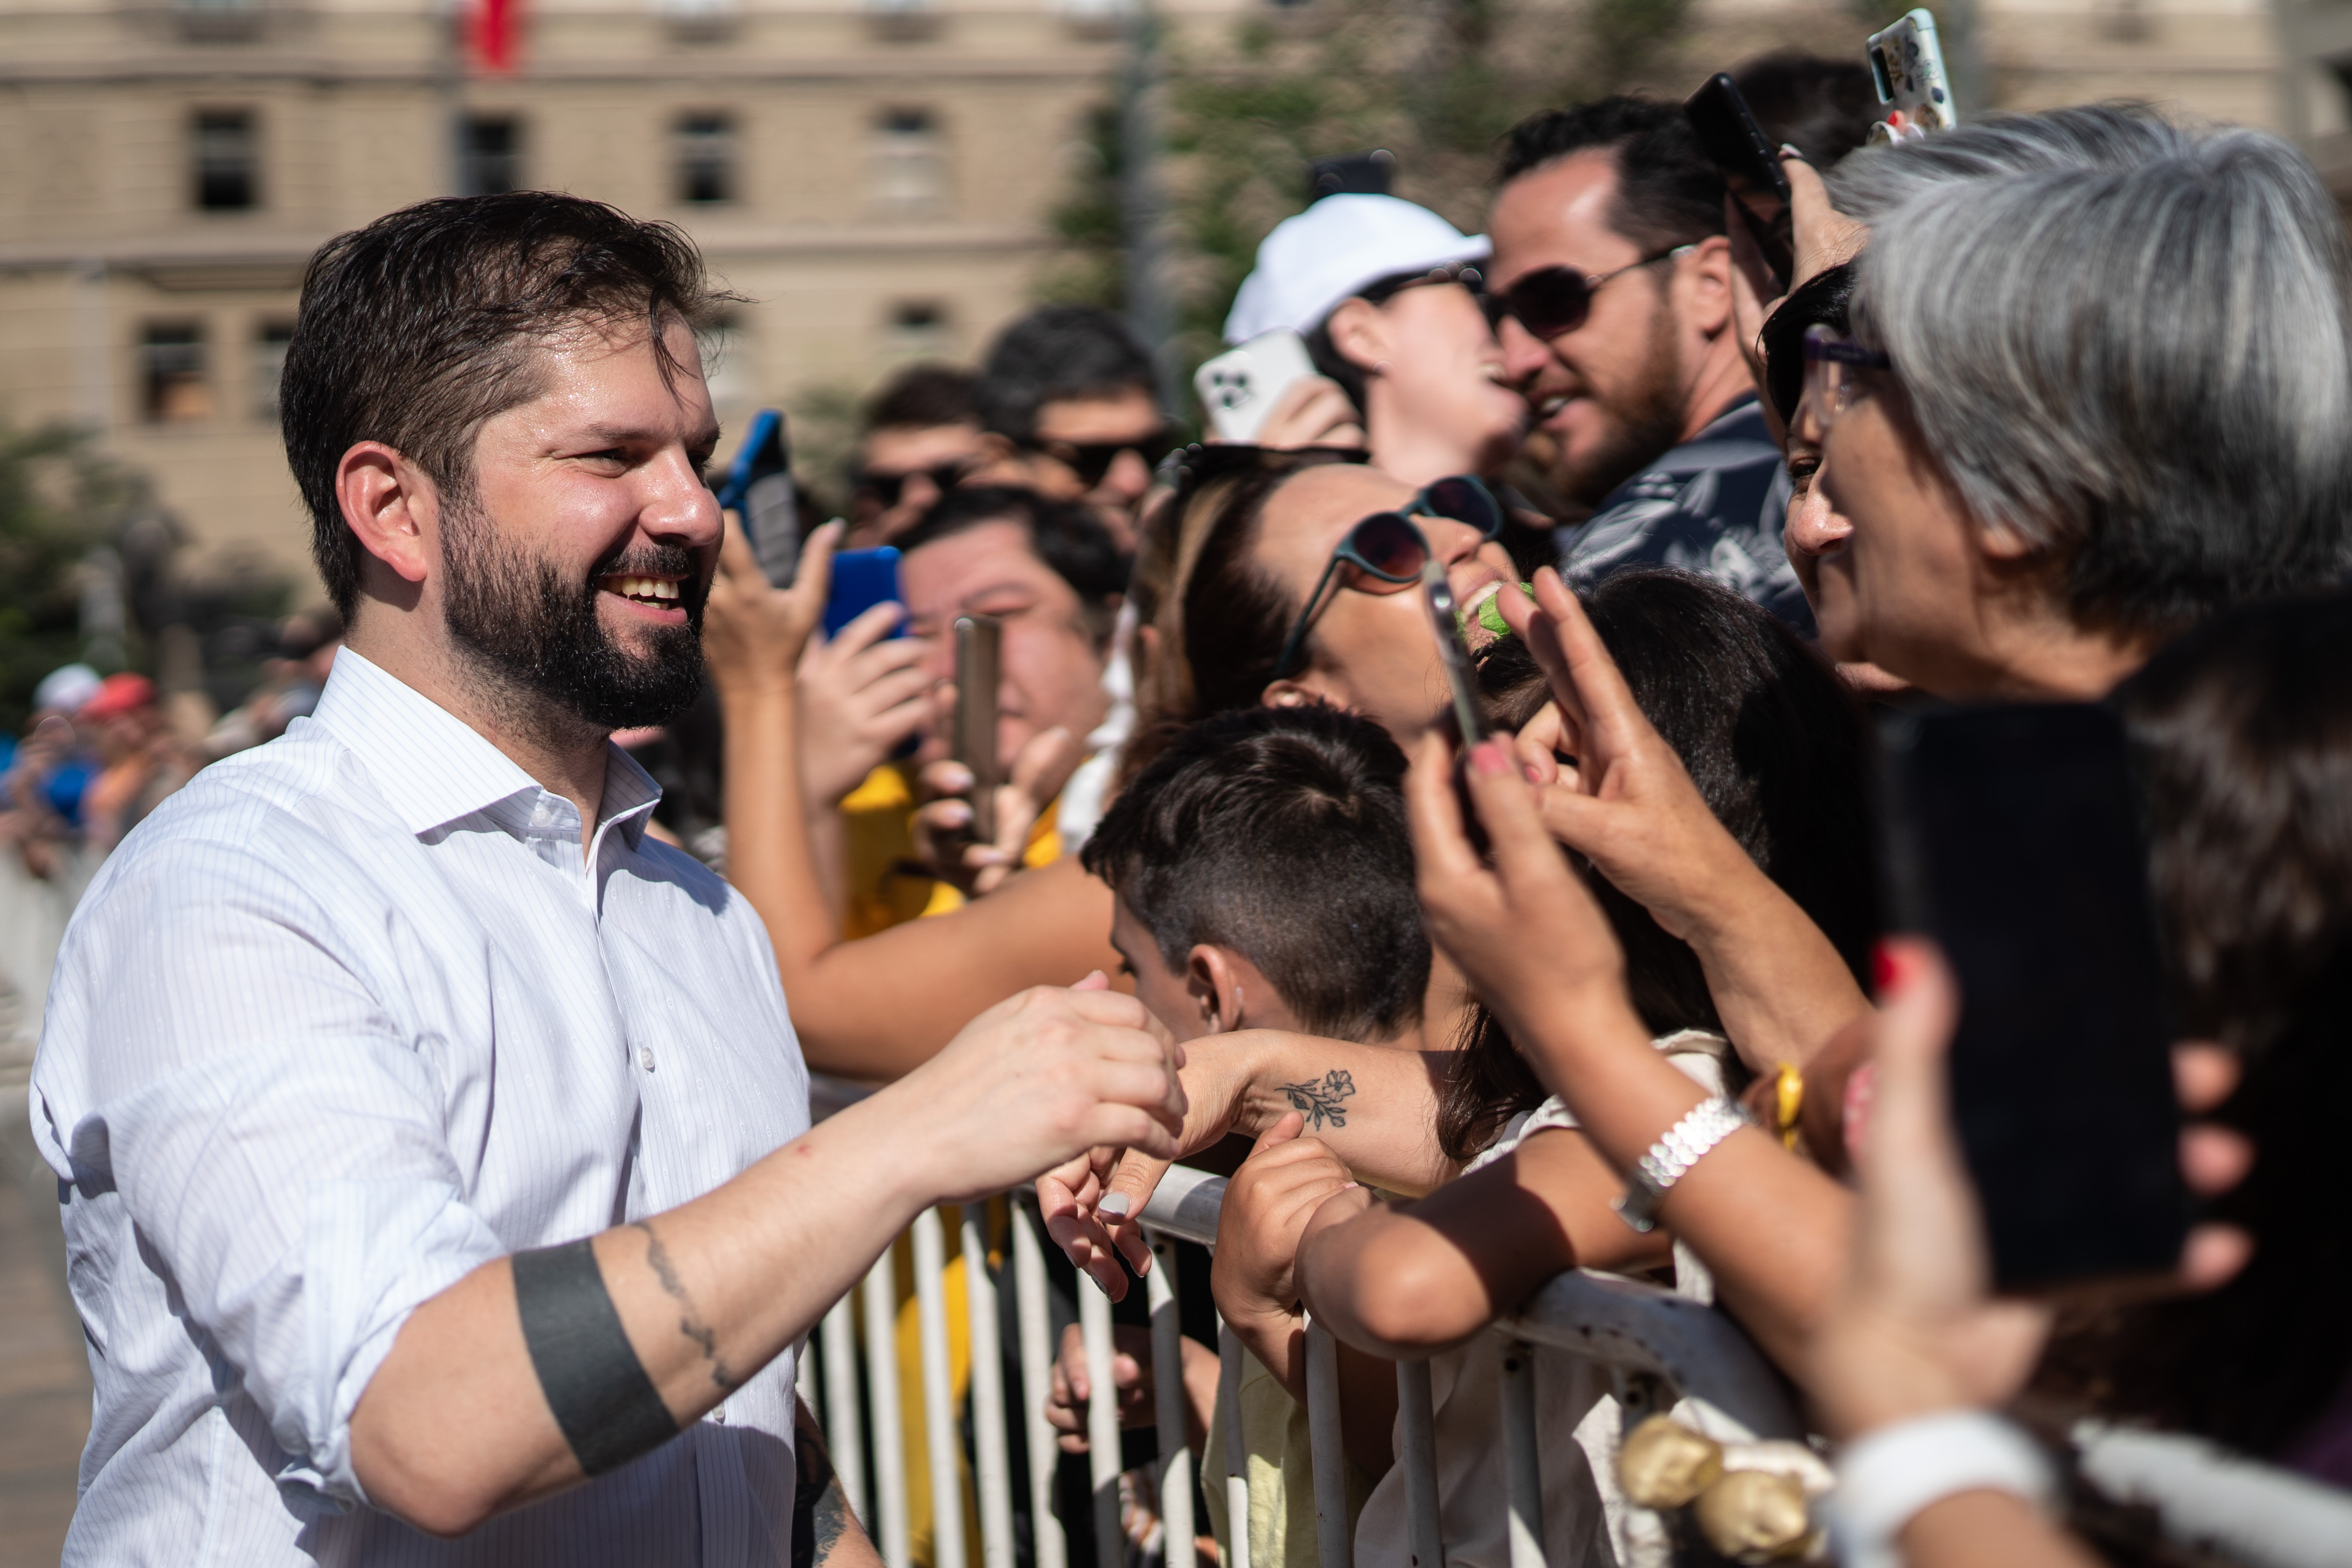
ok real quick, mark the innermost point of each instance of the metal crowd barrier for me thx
(1657, 1346)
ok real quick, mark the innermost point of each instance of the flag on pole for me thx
(494, 32)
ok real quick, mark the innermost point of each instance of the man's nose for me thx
(1524, 354)
(1129, 477)
(678, 506)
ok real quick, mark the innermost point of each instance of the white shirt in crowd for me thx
(1587, 1523)
(345, 1019)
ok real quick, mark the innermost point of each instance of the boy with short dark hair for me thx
(1264, 876)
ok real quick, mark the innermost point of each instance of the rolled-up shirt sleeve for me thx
(275, 1131)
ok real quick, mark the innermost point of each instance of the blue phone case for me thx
(861, 580)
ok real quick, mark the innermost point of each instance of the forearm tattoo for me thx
(1321, 1101)
(608, 1409)
(821, 1515)
(689, 1322)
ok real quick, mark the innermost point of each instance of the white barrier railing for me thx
(1658, 1346)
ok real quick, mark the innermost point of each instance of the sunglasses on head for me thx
(887, 489)
(1091, 460)
(1552, 301)
(1389, 549)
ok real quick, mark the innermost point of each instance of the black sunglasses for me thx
(888, 488)
(1390, 550)
(1552, 301)
(1091, 460)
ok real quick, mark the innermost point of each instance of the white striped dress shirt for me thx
(347, 1017)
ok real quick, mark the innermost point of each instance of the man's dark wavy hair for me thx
(1667, 192)
(417, 329)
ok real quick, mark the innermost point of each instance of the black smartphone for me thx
(861, 580)
(1350, 175)
(2010, 838)
(1750, 166)
(1454, 655)
(978, 666)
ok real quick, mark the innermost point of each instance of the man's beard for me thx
(1644, 421)
(534, 629)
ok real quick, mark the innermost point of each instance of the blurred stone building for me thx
(877, 178)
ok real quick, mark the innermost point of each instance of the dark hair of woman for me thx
(2242, 733)
(1777, 751)
(1212, 622)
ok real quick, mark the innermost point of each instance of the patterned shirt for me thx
(1715, 505)
(346, 1019)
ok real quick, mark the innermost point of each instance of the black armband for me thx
(608, 1409)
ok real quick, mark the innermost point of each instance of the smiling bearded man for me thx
(431, 1140)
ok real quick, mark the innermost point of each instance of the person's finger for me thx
(945, 817)
(1596, 696)
(812, 577)
(945, 778)
(870, 626)
(1524, 854)
(2213, 1256)
(1533, 625)
(1095, 980)
(1286, 1126)
(1825, 237)
(1440, 847)
(2204, 1075)
(2214, 1159)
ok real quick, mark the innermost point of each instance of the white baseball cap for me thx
(1314, 260)
(67, 689)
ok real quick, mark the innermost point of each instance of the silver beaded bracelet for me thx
(1709, 1122)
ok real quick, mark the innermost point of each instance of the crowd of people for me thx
(2052, 409)
(2075, 437)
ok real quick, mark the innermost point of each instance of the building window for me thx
(227, 160)
(268, 365)
(489, 154)
(919, 327)
(178, 391)
(910, 170)
(705, 158)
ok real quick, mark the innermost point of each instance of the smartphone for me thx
(758, 488)
(1240, 388)
(1750, 166)
(1454, 655)
(861, 580)
(1908, 64)
(977, 640)
(2009, 838)
(1350, 175)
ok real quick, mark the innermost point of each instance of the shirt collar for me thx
(432, 767)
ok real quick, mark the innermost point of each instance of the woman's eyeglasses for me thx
(1552, 301)
(1830, 384)
(1388, 548)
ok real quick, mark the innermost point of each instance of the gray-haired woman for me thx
(2100, 386)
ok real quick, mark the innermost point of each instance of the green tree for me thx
(58, 499)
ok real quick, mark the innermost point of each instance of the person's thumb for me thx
(813, 577)
(1095, 980)
(1288, 1126)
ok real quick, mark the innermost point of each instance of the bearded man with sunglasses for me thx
(1610, 288)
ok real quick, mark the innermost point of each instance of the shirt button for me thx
(646, 1058)
(718, 1414)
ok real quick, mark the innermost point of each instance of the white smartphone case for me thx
(1239, 388)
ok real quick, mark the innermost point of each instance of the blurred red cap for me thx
(119, 694)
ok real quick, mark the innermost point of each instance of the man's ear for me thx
(393, 508)
(1707, 279)
(1210, 980)
(1359, 332)
(1294, 692)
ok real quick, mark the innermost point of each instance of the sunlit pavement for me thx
(44, 1377)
